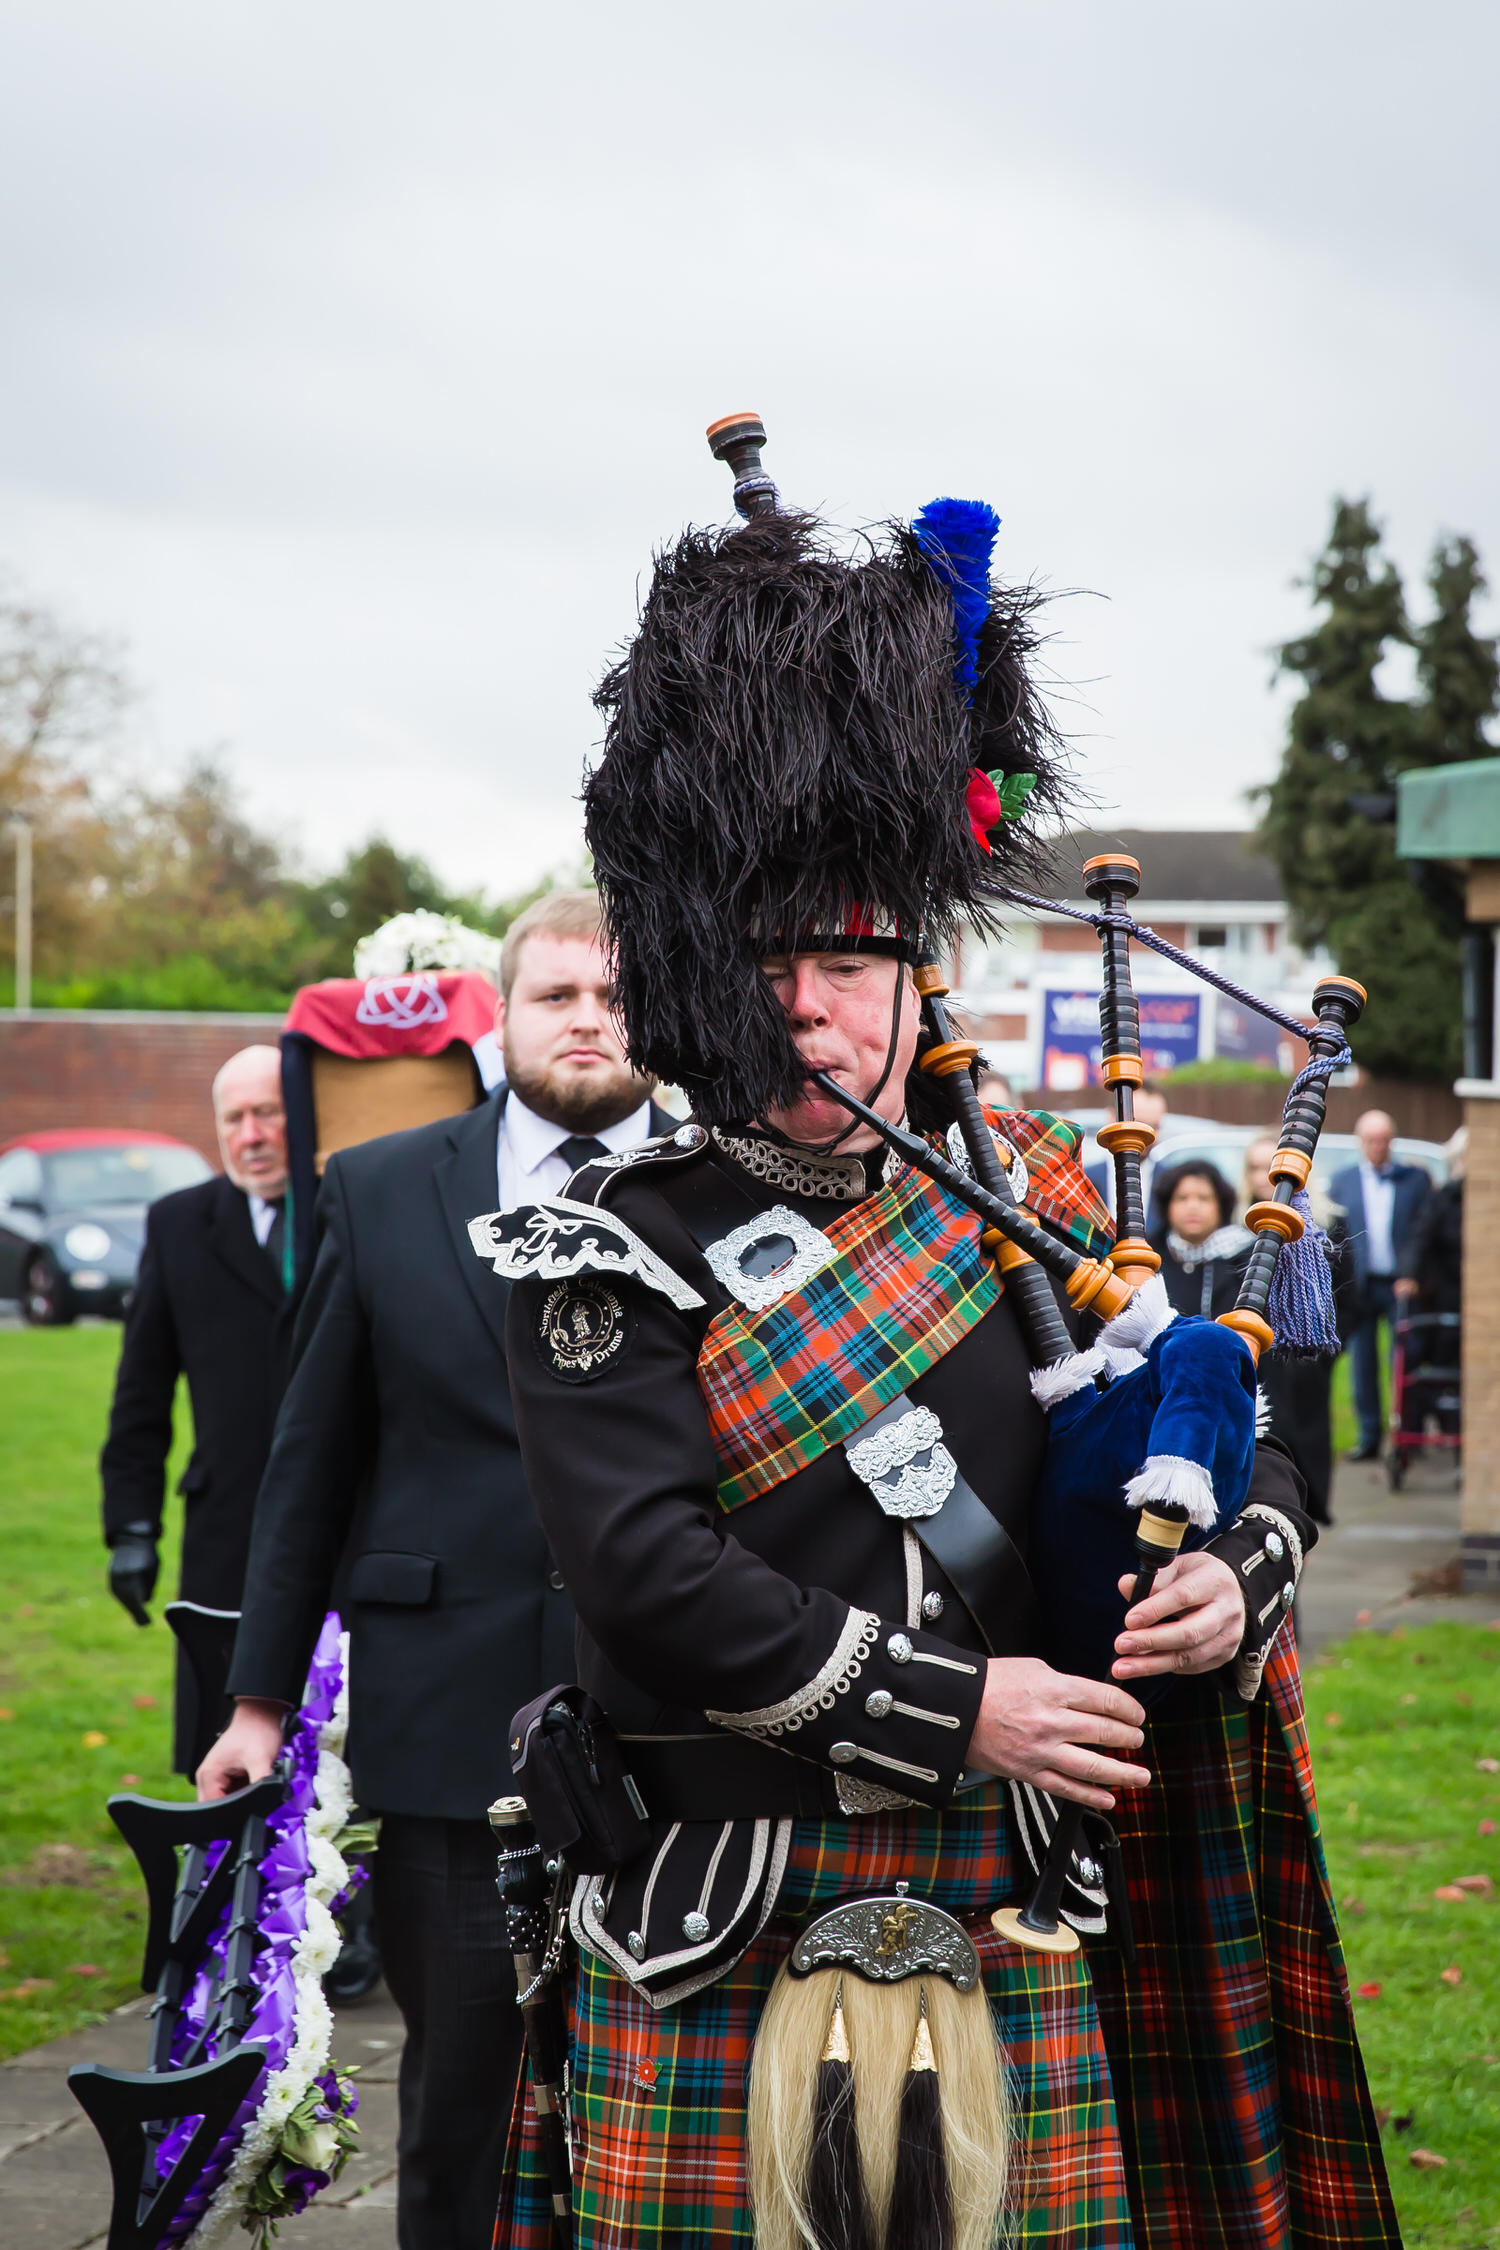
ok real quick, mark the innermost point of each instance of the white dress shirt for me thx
(527, 1159)
(1379, 1192)
(262, 1217)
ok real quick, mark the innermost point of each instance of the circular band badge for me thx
(582, 1328)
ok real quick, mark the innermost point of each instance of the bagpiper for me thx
(777, 1392)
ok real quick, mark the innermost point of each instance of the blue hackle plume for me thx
(1301, 1302)
(958, 539)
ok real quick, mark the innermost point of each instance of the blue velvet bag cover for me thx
(1192, 1401)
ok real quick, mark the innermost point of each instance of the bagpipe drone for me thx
(1152, 1427)
(240, 2116)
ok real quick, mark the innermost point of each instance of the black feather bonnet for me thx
(791, 754)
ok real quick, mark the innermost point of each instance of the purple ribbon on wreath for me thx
(282, 1923)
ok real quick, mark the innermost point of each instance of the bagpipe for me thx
(1152, 1427)
(240, 2116)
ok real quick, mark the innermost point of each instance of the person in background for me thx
(396, 1465)
(210, 1303)
(1299, 1391)
(1429, 1279)
(1381, 1200)
(1203, 1253)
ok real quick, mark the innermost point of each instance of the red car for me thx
(73, 1208)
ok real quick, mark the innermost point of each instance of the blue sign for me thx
(1171, 1024)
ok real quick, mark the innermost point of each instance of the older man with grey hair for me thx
(211, 1303)
(1382, 1199)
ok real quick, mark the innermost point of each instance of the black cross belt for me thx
(984, 1563)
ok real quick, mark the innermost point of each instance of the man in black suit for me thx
(210, 1303)
(1382, 1200)
(396, 1465)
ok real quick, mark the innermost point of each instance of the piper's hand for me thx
(1201, 1597)
(246, 1750)
(1041, 1726)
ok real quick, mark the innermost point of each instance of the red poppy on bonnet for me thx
(984, 807)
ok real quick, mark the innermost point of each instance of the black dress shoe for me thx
(1363, 1453)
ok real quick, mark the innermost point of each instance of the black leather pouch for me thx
(570, 1768)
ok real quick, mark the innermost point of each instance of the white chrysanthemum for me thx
(423, 940)
(318, 1946)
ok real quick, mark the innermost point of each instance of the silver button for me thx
(598, 1902)
(879, 1704)
(932, 1607)
(898, 1649)
(695, 1927)
(1275, 1545)
(1288, 1596)
(637, 1945)
(1090, 1873)
(688, 1136)
(844, 1753)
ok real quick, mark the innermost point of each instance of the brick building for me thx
(67, 1066)
(1033, 995)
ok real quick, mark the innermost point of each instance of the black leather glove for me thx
(133, 1565)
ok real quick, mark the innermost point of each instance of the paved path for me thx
(54, 2182)
(1378, 1541)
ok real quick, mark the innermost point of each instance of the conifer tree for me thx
(1327, 820)
(1458, 668)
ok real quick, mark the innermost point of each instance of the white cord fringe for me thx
(1185, 1484)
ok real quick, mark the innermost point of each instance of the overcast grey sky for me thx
(354, 357)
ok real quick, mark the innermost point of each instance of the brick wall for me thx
(107, 1067)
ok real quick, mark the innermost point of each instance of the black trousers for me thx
(442, 1944)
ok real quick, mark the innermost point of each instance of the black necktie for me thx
(580, 1148)
(276, 1239)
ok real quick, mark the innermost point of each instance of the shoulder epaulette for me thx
(593, 1181)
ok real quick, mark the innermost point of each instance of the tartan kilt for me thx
(659, 2101)
(1226, 2096)
(1242, 2095)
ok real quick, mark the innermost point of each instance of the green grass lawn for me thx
(1403, 1729)
(1399, 1725)
(85, 1696)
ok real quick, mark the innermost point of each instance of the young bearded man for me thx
(396, 1465)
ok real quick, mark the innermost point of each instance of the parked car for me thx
(73, 1208)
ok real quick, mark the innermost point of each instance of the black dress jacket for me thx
(208, 1304)
(807, 1620)
(395, 1478)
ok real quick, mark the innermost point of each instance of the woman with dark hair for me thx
(1203, 1254)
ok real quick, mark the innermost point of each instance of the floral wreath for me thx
(293, 2135)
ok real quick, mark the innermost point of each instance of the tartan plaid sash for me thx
(909, 1281)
